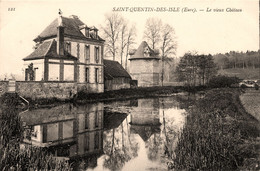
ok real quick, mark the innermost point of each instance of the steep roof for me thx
(71, 28)
(140, 52)
(47, 49)
(145, 132)
(113, 119)
(113, 69)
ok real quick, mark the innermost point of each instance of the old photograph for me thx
(129, 85)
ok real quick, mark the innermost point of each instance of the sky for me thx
(201, 31)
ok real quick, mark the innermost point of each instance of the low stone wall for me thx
(3, 87)
(110, 85)
(91, 88)
(37, 90)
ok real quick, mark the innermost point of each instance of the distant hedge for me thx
(223, 81)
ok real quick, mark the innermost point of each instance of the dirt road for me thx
(251, 101)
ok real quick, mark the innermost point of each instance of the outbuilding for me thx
(115, 76)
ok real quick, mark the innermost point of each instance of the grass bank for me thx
(140, 92)
(218, 135)
(123, 94)
(13, 155)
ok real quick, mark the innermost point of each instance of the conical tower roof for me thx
(144, 52)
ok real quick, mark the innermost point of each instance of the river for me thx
(136, 134)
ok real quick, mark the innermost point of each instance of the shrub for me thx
(216, 136)
(223, 81)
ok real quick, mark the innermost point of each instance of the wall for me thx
(36, 90)
(91, 63)
(91, 88)
(117, 83)
(52, 89)
(145, 71)
(3, 87)
(39, 64)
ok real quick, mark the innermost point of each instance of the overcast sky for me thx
(205, 32)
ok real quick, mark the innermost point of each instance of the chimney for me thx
(60, 36)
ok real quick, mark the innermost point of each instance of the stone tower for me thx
(144, 66)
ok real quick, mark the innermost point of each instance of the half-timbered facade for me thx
(68, 51)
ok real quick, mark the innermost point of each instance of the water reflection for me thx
(126, 135)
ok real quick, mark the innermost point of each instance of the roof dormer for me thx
(94, 32)
(85, 30)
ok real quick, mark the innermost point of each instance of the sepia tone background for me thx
(205, 32)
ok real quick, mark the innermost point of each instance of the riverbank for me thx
(123, 94)
(219, 135)
(134, 93)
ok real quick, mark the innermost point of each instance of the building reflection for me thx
(82, 134)
(73, 132)
(145, 119)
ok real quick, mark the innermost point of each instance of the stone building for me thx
(68, 51)
(144, 66)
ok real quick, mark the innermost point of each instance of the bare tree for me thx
(168, 46)
(130, 41)
(152, 31)
(113, 24)
(123, 40)
(127, 38)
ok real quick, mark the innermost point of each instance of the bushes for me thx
(223, 81)
(12, 155)
(217, 134)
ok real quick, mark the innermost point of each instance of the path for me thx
(251, 101)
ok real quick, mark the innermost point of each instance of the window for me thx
(86, 147)
(87, 52)
(96, 75)
(86, 121)
(87, 75)
(96, 145)
(97, 54)
(87, 32)
(78, 50)
(68, 47)
(96, 118)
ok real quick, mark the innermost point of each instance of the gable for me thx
(113, 69)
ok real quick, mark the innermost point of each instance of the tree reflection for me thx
(118, 146)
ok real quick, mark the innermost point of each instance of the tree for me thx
(127, 38)
(193, 68)
(130, 41)
(168, 46)
(123, 40)
(152, 31)
(119, 36)
(206, 68)
(112, 28)
(161, 36)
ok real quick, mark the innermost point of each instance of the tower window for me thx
(96, 75)
(87, 52)
(97, 54)
(87, 75)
